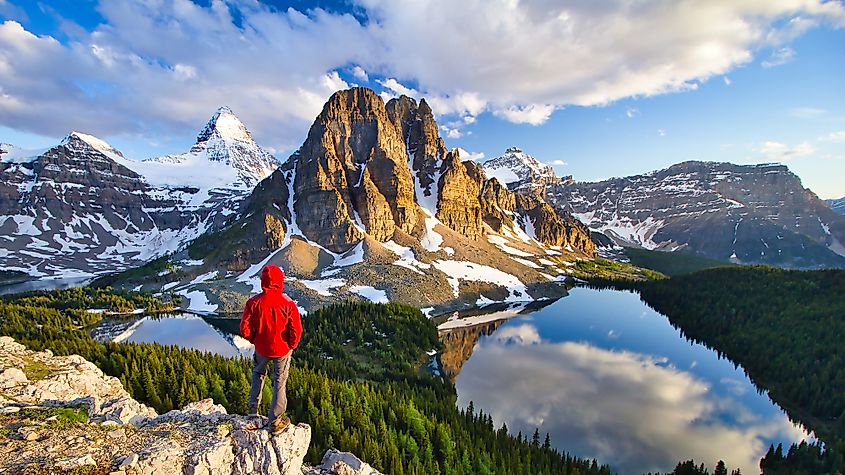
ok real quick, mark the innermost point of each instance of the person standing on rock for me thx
(272, 324)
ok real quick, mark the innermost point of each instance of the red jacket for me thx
(271, 319)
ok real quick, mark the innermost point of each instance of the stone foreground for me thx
(123, 436)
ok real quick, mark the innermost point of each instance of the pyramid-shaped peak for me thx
(517, 166)
(225, 124)
(96, 143)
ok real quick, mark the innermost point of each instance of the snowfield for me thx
(462, 270)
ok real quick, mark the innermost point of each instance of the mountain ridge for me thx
(81, 208)
(519, 170)
(373, 199)
(755, 214)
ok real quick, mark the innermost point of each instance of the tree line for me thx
(358, 379)
(786, 329)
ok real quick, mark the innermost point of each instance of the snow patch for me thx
(198, 301)
(324, 286)
(463, 270)
(370, 293)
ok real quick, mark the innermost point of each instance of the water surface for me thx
(610, 378)
(184, 330)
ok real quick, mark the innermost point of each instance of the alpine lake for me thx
(603, 374)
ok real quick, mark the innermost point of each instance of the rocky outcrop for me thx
(124, 436)
(459, 207)
(351, 174)
(503, 208)
(743, 213)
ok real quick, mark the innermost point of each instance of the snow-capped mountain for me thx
(373, 205)
(81, 208)
(517, 169)
(837, 205)
(743, 213)
(224, 155)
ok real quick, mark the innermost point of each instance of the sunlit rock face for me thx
(607, 377)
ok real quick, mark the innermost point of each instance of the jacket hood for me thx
(273, 278)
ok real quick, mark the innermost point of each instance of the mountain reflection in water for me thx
(217, 335)
(608, 377)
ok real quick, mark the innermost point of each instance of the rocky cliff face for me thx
(124, 436)
(351, 174)
(81, 208)
(743, 213)
(374, 200)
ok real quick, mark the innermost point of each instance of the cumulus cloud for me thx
(632, 112)
(151, 71)
(534, 114)
(154, 69)
(467, 155)
(781, 152)
(360, 74)
(632, 410)
(779, 57)
(559, 163)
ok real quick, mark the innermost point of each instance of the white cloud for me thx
(779, 57)
(781, 152)
(451, 133)
(661, 132)
(274, 68)
(534, 114)
(727, 80)
(360, 74)
(559, 163)
(631, 112)
(467, 155)
(396, 89)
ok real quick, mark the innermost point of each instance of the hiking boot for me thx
(254, 422)
(279, 425)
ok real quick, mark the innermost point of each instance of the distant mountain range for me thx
(81, 208)
(750, 214)
(373, 205)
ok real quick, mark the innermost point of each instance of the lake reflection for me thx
(610, 378)
(183, 330)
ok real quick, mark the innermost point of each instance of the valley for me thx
(453, 309)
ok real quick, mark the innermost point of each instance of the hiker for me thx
(271, 322)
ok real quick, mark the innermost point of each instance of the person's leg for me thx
(281, 368)
(259, 369)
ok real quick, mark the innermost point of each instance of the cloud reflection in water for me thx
(635, 411)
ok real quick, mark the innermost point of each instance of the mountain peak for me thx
(518, 167)
(226, 125)
(96, 143)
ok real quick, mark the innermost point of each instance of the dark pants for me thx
(280, 368)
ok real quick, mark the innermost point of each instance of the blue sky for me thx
(599, 90)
